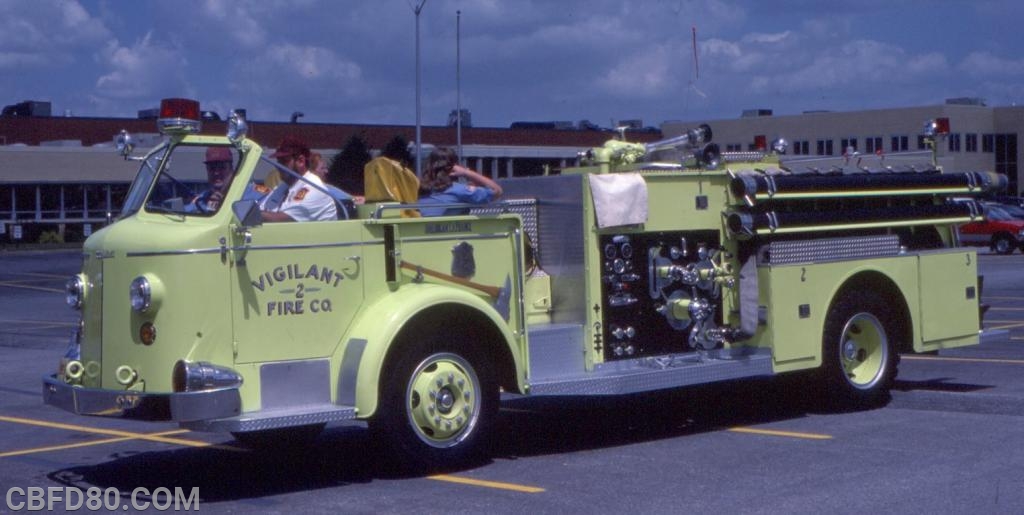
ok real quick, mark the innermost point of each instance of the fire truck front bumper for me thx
(178, 407)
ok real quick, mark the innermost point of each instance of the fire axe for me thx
(499, 294)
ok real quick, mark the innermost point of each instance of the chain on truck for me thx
(652, 266)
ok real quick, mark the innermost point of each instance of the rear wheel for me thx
(437, 406)
(860, 360)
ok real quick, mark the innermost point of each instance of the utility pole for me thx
(419, 137)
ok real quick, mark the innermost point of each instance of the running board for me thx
(276, 418)
(659, 372)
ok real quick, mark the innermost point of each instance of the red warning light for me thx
(178, 115)
(179, 108)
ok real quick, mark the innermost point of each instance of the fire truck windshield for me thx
(190, 180)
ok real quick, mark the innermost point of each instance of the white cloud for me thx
(236, 20)
(930, 63)
(984, 63)
(289, 77)
(860, 61)
(719, 48)
(145, 70)
(647, 73)
(310, 63)
(18, 59)
(48, 33)
(760, 38)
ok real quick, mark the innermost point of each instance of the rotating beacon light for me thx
(178, 116)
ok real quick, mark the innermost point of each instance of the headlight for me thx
(74, 292)
(197, 376)
(141, 294)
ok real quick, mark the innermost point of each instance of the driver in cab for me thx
(302, 202)
(219, 172)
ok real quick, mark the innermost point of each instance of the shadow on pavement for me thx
(526, 427)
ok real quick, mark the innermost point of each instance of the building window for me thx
(6, 201)
(825, 147)
(988, 143)
(1005, 146)
(970, 143)
(921, 143)
(801, 147)
(872, 144)
(848, 145)
(734, 147)
(899, 144)
(954, 142)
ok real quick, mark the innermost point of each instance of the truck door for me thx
(296, 287)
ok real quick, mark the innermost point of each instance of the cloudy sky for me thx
(530, 60)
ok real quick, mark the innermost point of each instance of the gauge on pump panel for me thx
(626, 250)
(619, 266)
(610, 251)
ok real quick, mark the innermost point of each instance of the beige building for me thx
(980, 137)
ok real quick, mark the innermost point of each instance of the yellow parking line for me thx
(13, 285)
(994, 308)
(488, 484)
(1008, 326)
(108, 432)
(772, 432)
(85, 444)
(966, 360)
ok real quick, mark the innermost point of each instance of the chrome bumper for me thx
(178, 407)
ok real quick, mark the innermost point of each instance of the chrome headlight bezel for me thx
(140, 294)
(74, 292)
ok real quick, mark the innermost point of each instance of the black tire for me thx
(438, 405)
(280, 438)
(859, 352)
(1003, 244)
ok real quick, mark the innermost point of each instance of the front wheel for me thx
(1003, 245)
(437, 407)
(860, 360)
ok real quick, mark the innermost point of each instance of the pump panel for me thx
(658, 293)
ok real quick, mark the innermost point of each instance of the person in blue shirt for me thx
(441, 185)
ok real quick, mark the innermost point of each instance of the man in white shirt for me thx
(303, 202)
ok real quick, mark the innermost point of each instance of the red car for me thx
(1002, 230)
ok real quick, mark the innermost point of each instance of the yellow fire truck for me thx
(652, 266)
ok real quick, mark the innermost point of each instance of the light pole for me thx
(419, 138)
(458, 84)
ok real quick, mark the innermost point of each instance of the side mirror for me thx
(248, 213)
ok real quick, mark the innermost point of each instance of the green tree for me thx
(346, 168)
(398, 149)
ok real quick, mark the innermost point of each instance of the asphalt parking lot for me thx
(950, 441)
